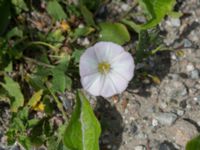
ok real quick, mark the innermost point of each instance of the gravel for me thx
(163, 116)
(166, 118)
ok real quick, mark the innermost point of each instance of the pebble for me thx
(183, 131)
(180, 112)
(125, 7)
(187, 43)
(166, 118)
(173, 90)
(166, 146)
(141, 136)
(195, 74)
(154, 122)
(175, 22)
(140, 147)
(190, 67)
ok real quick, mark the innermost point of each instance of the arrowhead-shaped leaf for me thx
(84, 129)
(55, 10)
(114, 32)
(156, 9)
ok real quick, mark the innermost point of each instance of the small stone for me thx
(124, 7)
(166, 146)
(183, 131)
(140, 147)
(190, 67)
(154, 122)
(180, 112)
(195, 74)
(141, 136)
(187, 43)
(173, 90)
(175, 22)
(166, 118)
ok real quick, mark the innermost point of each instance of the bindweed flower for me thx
(106, 69)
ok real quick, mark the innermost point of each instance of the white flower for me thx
(106, 69)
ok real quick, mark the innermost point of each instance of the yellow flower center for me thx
(104, 67)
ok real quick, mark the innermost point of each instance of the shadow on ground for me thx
(111, 124)
(158, 66)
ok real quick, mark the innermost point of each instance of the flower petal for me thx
(88, 62)
(108, 88)
(124, 65)
(93, 83)
(119, 82)
(106, 51)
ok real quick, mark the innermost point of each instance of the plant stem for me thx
(59, 104)
(38, 62)
(42, 43)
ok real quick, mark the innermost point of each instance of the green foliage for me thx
(20, 5)
(13, 89)
(88, 16)
(5, 16)
(193, 144)
(114, 32)
(83, 130)
(55, 10)
(39, 62)
(148, 44)
(155, 10)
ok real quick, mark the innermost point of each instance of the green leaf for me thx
(14, 91)
(19, 5)
(88, 16)
(35, 98)
(5, 16)
(132, 25)
(193, 144)
(59, 83)
(82, 32)
(84, 129)
(56, 37)
(68, 83)
(157, 9)
(142, 45)
(114, 32)
(55, 10)
(14, 32)
(76, 55)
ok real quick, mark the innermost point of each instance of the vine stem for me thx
(42, 43)
(38, 62)
(58, 103)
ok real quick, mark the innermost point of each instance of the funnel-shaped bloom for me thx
(106, 69)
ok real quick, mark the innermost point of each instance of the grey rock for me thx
(195, 74)
(173, 90)
(166, 118)
(182, 131)
(175, 22)
(187, 43)
(167, 146)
